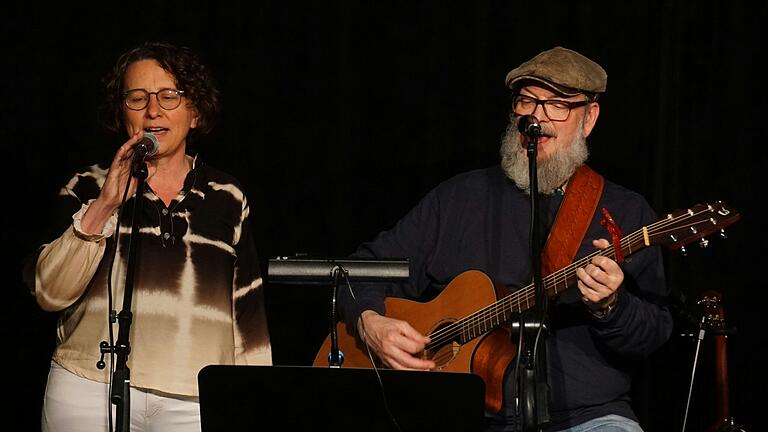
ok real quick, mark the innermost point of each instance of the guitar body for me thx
(487, 356)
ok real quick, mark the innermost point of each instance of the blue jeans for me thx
(609, 423)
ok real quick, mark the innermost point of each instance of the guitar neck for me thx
(503, 310)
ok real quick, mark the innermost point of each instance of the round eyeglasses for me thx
(138, 99)
(556, 110)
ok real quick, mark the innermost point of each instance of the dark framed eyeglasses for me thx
(555, 109)
(138, 99)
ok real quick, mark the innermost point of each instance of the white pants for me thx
(73, 403)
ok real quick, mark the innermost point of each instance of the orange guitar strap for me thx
(572, 221)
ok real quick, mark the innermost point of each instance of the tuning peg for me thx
(723, 234)
(703, 243)
(683, 252)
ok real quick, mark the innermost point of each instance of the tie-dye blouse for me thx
(198, 297)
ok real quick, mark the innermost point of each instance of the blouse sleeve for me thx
(252, 344)
(65, 266)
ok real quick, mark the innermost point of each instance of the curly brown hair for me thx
(191, 76)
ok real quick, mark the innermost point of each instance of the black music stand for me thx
(293, 398)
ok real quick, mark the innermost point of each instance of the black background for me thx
(340, 115)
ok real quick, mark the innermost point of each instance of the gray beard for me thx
(551, 173)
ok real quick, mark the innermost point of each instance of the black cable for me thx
(370, 357)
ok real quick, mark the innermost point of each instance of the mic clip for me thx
(138, 167)
(529, 126)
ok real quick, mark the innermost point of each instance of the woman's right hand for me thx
(111, 195)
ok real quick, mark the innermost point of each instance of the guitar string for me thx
(482, 315)
(482, 321)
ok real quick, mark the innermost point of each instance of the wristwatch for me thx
(605, 312)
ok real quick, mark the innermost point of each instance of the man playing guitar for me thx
(478, 223)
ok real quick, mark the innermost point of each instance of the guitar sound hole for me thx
(443, 349)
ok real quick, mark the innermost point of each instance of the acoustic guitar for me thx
(464, 322)
(714, 319)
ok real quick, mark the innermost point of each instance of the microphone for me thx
(148, 146)
(529, 125)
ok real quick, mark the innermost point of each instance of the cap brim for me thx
(519, 81)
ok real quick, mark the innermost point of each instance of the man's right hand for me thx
(394, 341)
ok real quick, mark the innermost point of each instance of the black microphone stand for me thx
(533, 383)
(121, 376)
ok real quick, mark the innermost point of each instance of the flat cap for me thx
(567, 71)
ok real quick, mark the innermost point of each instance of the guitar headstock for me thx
(693, 224)
(712, 310)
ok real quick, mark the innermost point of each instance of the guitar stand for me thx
(700, 337)
(729, 424)
(712, 320)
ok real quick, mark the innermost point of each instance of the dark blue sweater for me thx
(480, 220)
